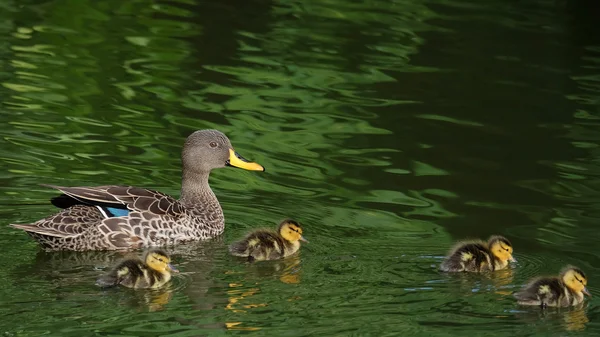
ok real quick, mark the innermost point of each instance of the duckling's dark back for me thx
(126, 269)
(130, 273)
(469, 256)
(544, 291)
(262, 244)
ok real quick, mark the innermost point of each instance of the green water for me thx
(388, 128)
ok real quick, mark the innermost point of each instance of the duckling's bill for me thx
(302, 238)
(172, 268)
(586, 291)
(236, 160)
(512, 259)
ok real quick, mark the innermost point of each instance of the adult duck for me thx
(126, 217)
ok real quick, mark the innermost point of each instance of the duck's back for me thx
(468, 256)
(260, 245)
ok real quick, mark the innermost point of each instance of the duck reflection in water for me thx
(240, 296)
(287, 270)
(152, 299)
(576, 318)
(501, 279)
(570, 319)
(499, 282)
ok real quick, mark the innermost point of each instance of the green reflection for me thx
(389, 128)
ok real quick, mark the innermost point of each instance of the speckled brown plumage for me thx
(154, 218)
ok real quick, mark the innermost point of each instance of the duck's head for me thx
(501, 248)
(575, 279)
(160, 261)
(291, 230)
(205, 150)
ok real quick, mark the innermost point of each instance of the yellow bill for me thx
(236, 160)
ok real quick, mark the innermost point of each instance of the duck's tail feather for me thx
(32, 228)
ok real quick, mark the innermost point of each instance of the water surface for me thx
(390, 129)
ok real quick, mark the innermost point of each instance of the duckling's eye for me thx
(580, 281)
(213, 144)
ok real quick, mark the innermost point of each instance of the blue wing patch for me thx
(112, 212)
(117, 211)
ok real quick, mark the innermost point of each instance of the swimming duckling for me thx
(153, 272)
(263, 245)
(565, 290)
(478, 256)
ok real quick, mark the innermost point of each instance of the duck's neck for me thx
(166, 276)
(500, 264)
(291, 247)
(195, 190)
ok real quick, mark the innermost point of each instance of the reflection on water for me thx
(576, 319)
(391, 128)
(287, 270)
(499, 282)
(149, 299)
(239, 295)
(571, 319)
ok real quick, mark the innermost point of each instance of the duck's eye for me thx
(213, 144)
(580, 281)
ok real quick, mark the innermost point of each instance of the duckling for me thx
(478, 256)
(263, 245)
(565, 290)
(153, 272)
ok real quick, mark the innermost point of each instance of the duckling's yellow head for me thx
(291, 230)
(575, 279)
(160, 261)
(501, 248)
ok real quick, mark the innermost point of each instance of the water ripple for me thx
(388, 128)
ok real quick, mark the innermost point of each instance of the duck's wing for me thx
(122, 217)
(118, 200)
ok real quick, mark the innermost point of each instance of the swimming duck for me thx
(126, 217)
(263, 244)
(477, 256)
(153, 272)
(565, 290)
